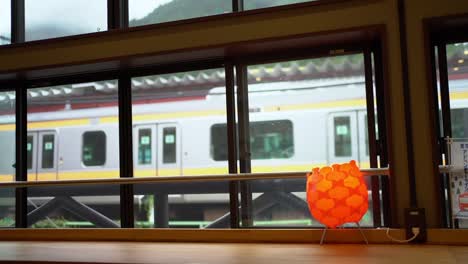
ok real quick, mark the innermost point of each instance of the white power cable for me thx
(415, 235)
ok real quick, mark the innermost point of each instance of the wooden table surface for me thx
(204, 253)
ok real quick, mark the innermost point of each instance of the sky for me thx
(85, 14)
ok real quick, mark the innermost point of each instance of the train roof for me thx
(311, 73)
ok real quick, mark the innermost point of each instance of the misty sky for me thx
(87, 15)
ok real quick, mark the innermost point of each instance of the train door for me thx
(342, 137)
(42, 155)
(363, 143)
(144, 150)
(157, 150)
(169, 150)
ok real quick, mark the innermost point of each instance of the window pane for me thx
(180, 110)
(303, 114)
(254, 4)
(48, 146)
(57, 18)
(457, 66)
(342, 136)
(144, 146)
(5, 22)
(7, 160)
(144, 12)
(169, 145)
(73, 128)
(94, 148)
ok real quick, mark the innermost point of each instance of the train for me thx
(293, 126)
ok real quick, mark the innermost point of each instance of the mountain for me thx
(183, 9)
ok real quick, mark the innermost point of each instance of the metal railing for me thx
(161, 179)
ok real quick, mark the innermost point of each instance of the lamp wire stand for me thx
(322, 240)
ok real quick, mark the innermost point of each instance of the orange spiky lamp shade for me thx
(337, 194)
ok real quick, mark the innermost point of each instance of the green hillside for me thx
(183, 9)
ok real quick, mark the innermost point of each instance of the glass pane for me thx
(144, 12)
(169, 145)
(7, 136)
(48, 146)
(182, 107)
(74, 207)
(82, 119)
(255, 4)
(457, 66)
(342, 133)
(305, 109)
(7, 207)
(303, 114)
(144, 146)
(57, 18)
(182, 205)
(5, 22)
(94, 148)
(7, 161)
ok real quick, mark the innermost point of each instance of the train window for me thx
(219, 147)
(94, 148)
(271, 139)
(342, 132)
(169, 145)
(30, 152)
(268, 140)
(48, 150)
(144, 146)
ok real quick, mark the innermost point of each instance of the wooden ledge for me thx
(375, 236)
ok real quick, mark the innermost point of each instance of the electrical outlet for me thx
(415, 222)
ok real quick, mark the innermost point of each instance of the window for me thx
(57, 18)
(94, 148)
(48, 146)
(7, 146)
(459, 118)
(271, 139)
(169, 145)
(342, 136)
(144, 12)
(144, 146)
(5, 22)
(268, 140)
(69, 127)
(255, 4)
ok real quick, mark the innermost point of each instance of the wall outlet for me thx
(415, 221)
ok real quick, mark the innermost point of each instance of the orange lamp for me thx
(337, 194)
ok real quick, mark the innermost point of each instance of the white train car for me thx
(293, 126)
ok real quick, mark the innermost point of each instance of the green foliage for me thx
(46, 223)
(7, 222)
